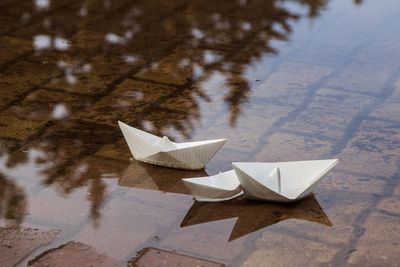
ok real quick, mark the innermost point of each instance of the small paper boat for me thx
(152, 149)
(281, 181)
(220, 187)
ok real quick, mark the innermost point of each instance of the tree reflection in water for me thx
(176, 45)
(12, 201)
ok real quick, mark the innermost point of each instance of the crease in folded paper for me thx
(286, 182)
(149, 148)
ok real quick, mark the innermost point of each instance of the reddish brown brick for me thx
(158, 257)
(17, 243)
(74, 253)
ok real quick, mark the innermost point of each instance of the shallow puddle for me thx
(281, 80)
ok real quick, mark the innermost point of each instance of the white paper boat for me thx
(152, 149)
(281, 181)
(220, 187)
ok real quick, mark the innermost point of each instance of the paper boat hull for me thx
(299, 181)
(203, 189)
(194, 158)
(190, 156)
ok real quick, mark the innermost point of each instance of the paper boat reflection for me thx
(151, 177)
(281, 181)
(152, 149)
(220, 187)
(253, 216)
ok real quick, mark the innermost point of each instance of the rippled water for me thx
(281, 80)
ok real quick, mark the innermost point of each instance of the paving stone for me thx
(64, 209)
(17, 129)
(64, 142)
(92, 77)
(118, 150)
(143, 14)
(287, 147)
(383, 47)
(281, 250)
(158, 257)
(357, 78)
(391, 204)
(180, 67)
(365, 162)
(21, 77)
(389, 110)
(12, 47)
(378, 245)
(397, 191)
(48, 20)
(348, 183)
(374, 144)
(208, 240)
(17, 243)
(290, 83)
(396, 93)
(335, 40)
(121, 231)
(343, 198)
(76, 254)
(329, 113)
(260, 118)
(129, 98)
(203, 102)
(7, 23)
(187, 101)
(87, 40)
(44, 105)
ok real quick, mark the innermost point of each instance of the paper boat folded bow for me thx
(281, 181)
(220, 187)
(152, 149)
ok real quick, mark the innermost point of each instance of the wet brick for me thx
(75, 254)
(12, 47)
(287, 147)
(158, 257)
(374, 144)
(281, 250)
(21, 77)
(378, 245)
(128, 99)
(92, 76)
(17, 129)
(17, 243)
(329, 113)
(290, 83)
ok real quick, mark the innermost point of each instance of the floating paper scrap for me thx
(152, 149)
(220, 187)
(281, 181)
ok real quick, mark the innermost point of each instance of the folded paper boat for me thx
(152, 149)
(281, 181)
(220, 187)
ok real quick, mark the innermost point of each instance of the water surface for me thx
(281, 80)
